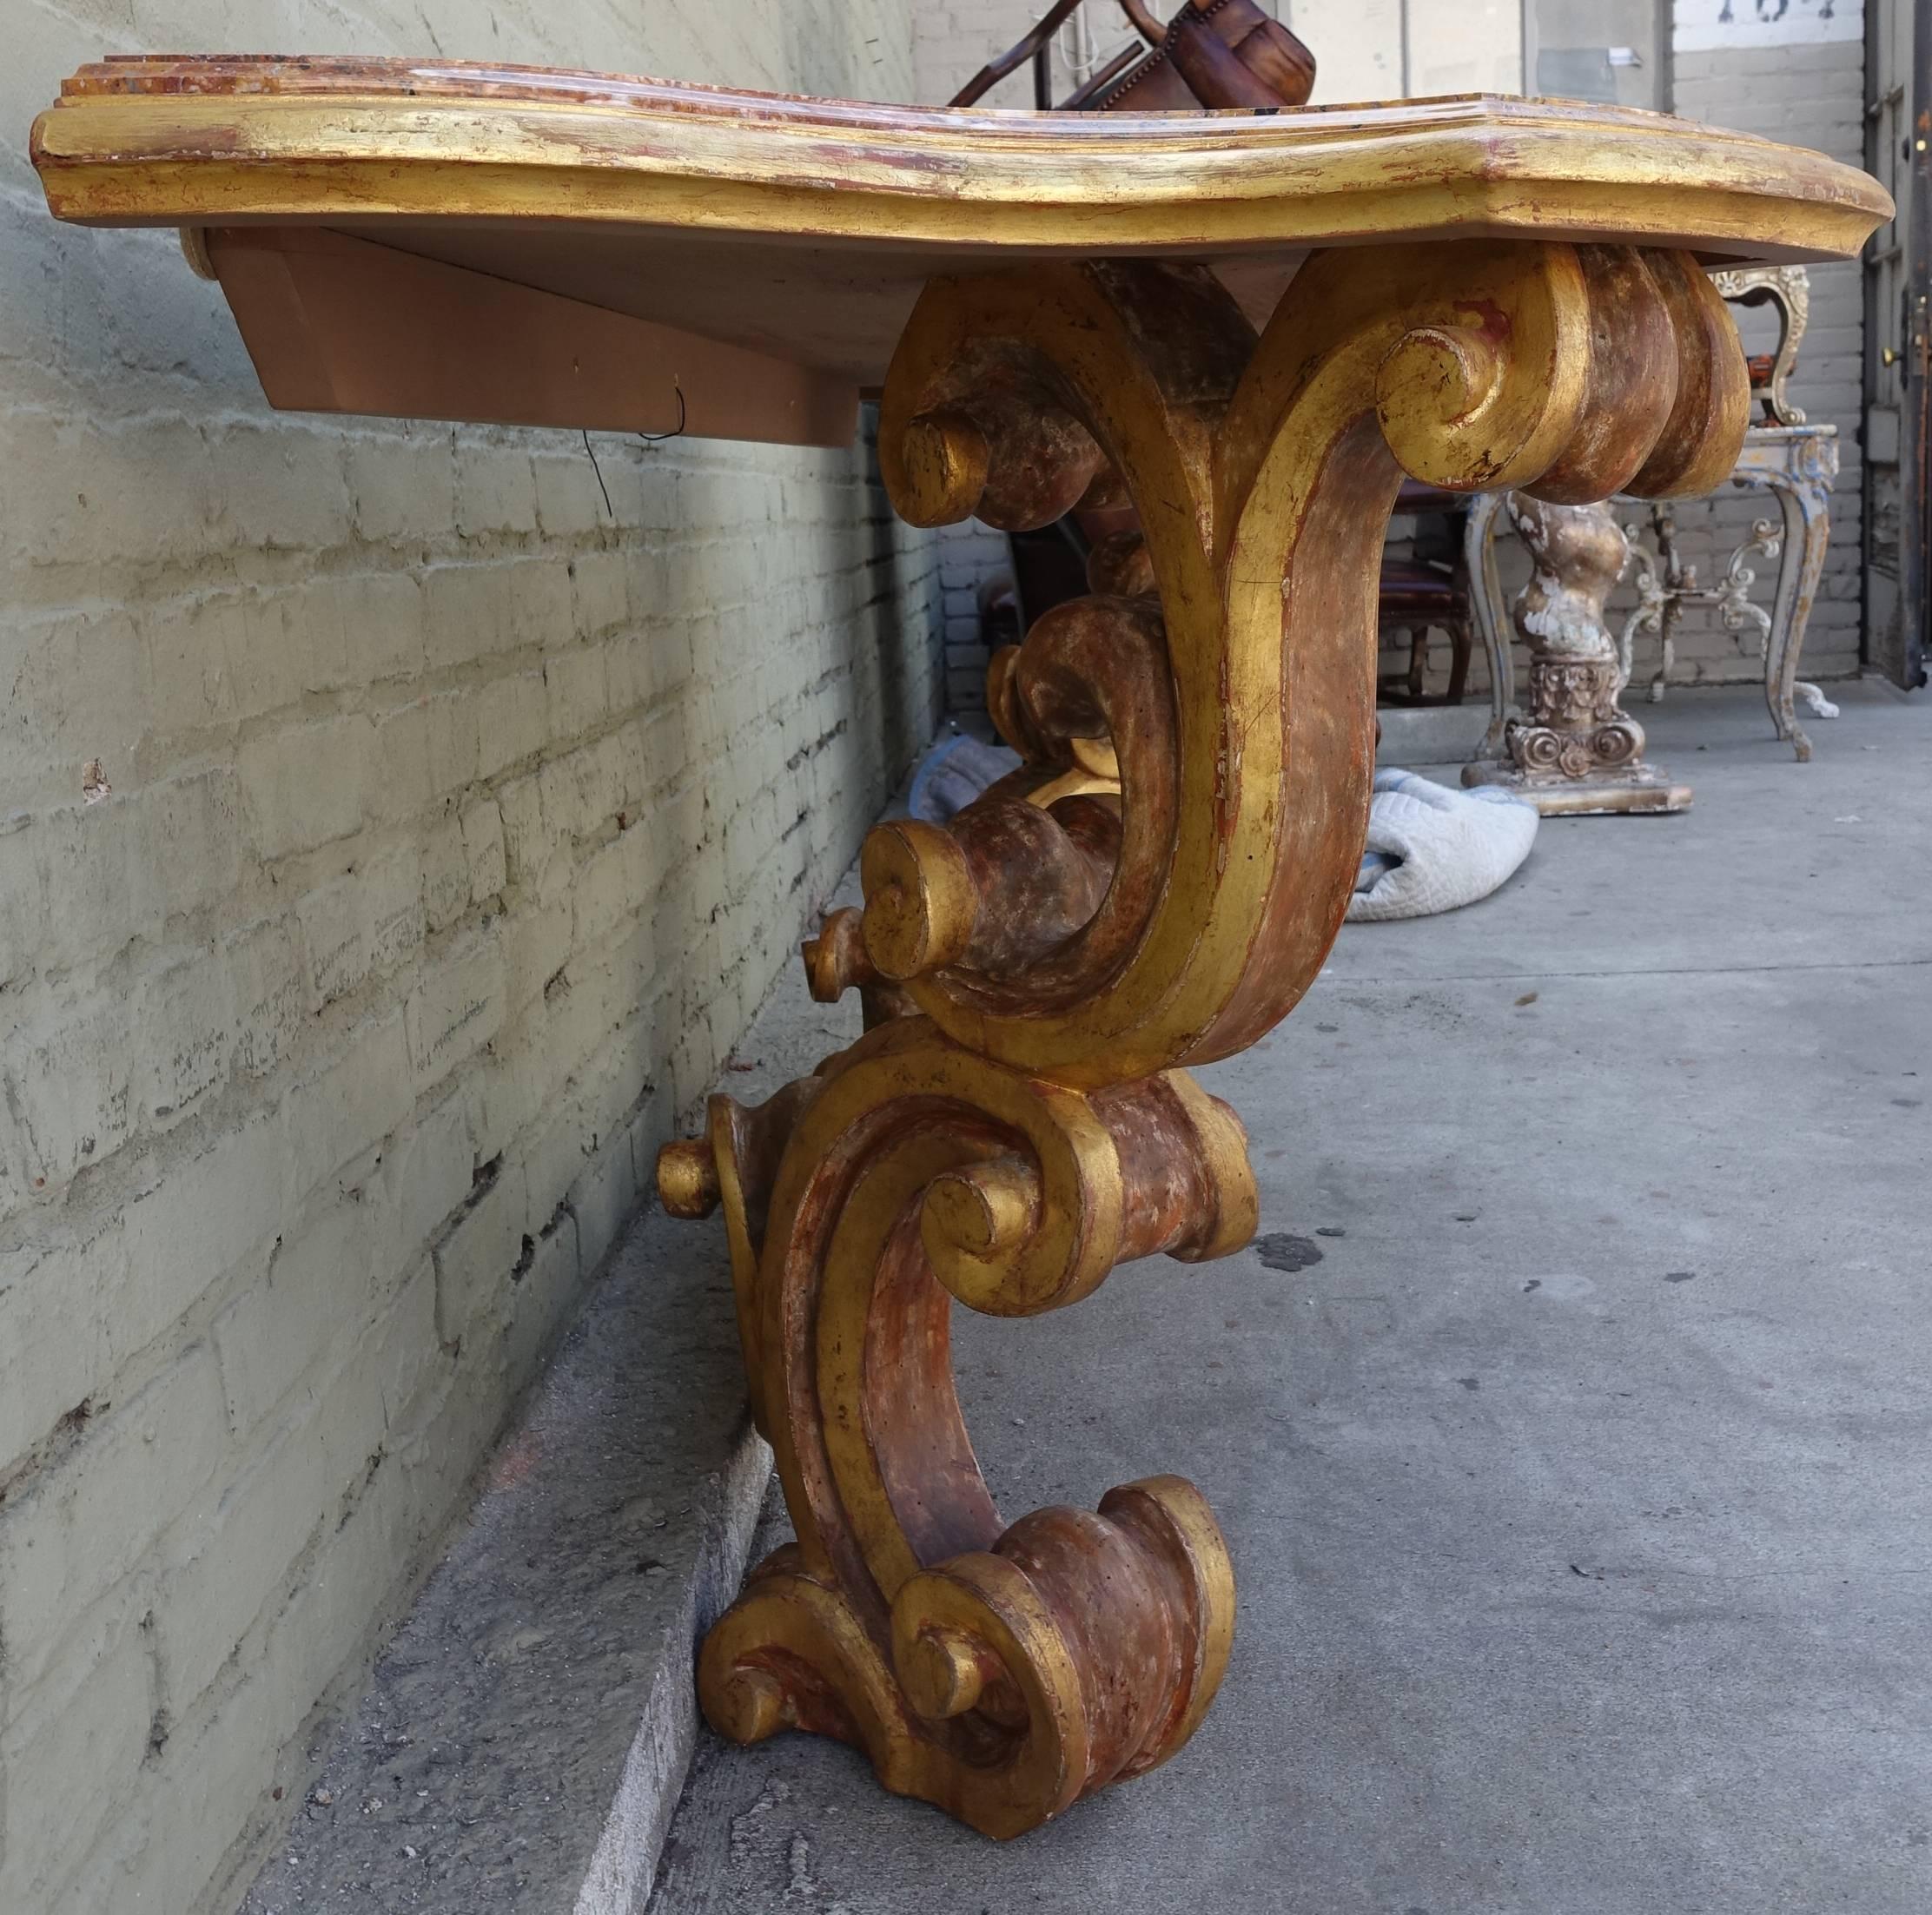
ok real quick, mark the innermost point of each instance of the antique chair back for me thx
(1788, 289)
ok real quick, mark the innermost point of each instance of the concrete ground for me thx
(1578, 1494)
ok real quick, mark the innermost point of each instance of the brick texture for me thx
(457, 823)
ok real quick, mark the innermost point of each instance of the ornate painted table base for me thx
(1574, 748)
(1799, 464)
(1156, 887)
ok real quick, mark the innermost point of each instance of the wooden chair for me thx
(1429, 592)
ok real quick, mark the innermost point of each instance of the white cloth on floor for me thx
(1430, 849)
(953, 773)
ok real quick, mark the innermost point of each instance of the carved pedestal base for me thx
(1581, 753)
(1644, 789)
(1575, 750)
(1155, 887)
(1000, 1671)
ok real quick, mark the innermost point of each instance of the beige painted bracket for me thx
(336, 324)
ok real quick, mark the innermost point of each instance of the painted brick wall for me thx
(458, 822)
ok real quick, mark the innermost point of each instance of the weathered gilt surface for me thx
(1022, 1128)
(323, 137)
(433, 239)
(1248, 328)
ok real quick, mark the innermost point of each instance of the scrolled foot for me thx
(1082, 1649)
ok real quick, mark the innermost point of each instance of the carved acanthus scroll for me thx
(1263, 472)
(1001, 1671)
(1157, 885)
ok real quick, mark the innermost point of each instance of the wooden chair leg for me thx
(1460, 639)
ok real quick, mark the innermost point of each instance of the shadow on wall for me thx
(905, 605)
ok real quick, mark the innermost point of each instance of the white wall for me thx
(456, 825)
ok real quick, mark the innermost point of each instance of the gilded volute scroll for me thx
(1156, 887)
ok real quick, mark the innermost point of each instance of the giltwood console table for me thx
(1249, 325)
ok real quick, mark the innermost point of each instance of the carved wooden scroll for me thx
(1156, 887)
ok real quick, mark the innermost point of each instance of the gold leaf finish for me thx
(1157, 885)
(435, 240)
(1239, 700)
(1246, 326)
(1001, 1671)
(182, 141)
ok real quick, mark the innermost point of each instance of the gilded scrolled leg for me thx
(1263, 469)
(1158, 884)
(733, 1166)
(1001, 1671)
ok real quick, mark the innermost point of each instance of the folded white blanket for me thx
(1432, 849)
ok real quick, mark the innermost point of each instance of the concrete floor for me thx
(1579, 1494)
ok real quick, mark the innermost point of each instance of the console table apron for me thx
(1249, 327)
